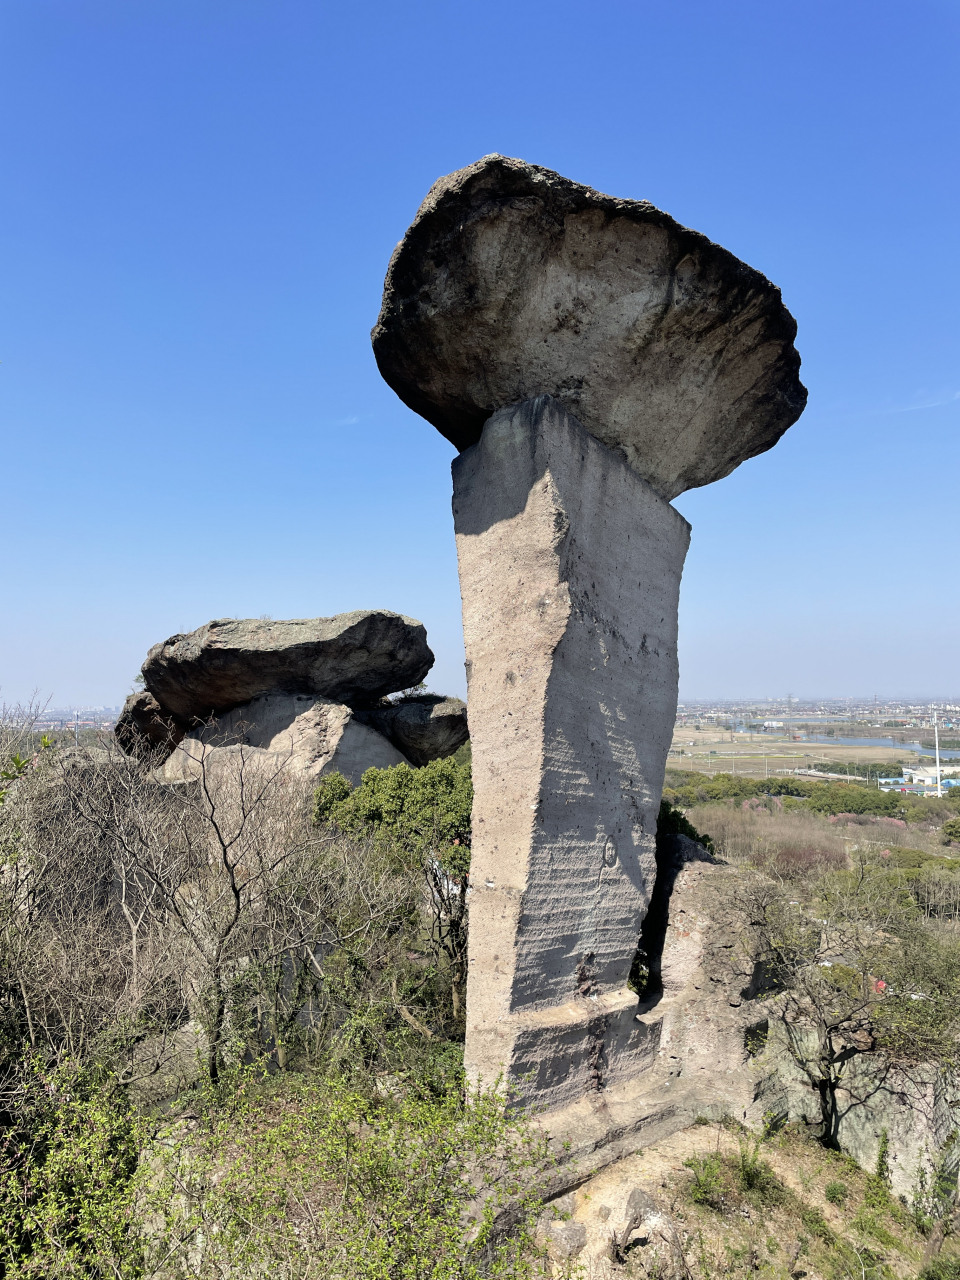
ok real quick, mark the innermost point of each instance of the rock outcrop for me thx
(598, 1227)
(513, 282)
(306, 695)
(145, 729)
(591, 358)
(424, 727)
(303, 735)
(353, 657)
(572, 661)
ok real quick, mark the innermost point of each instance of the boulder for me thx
(353, 658)
(424, 727)
(301, 735)
(145, 730)
(514, 282)
(609, 1221)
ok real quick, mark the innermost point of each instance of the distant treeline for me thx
(685, 789)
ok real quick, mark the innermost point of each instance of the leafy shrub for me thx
(815, 1223)
(751, 1168)
(423, 811)
(941, 1269)
(673, 821)
(755, 1175)
(707, 1187)
(67, 1179)
(836, 1192)
(317, 1180)
(423, 817)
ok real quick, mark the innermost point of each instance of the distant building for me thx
(922, 780)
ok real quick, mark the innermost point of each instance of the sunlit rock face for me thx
(570, 573)
(351, 657)
(591, 359)
(514, 282)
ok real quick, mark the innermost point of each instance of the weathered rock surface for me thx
(599, 1226)
(426, 727)
(514, 282)
(144, 729)
(351, 658)
(304, 736)
(719, 1048)
(694, 1022)
(570, 573)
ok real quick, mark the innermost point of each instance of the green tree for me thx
(425, 815)
(855, 970)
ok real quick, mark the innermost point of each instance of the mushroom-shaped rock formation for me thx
(513, 282)
(591, 359)
(424, 727)
(354, 658)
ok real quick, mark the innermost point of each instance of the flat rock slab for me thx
(426, 727)
(302, 736)
(351, 658)
(514, 282)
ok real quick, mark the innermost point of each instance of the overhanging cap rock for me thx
(354, 658)
(514, 282)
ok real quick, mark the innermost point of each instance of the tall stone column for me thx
(570, 575)
(590, 359)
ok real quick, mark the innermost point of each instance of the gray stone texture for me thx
(304, 736)
(513, 282)
(570, 570)
(352, 658)
(146, 730)
(424, 727)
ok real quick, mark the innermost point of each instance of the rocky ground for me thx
(710, 1201)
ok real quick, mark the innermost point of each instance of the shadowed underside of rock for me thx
(144, 729)
(513, 282)
(424, 728)
(353, 658)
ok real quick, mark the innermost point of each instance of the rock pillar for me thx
(570, 570)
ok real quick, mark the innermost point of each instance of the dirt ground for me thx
(784, 1226)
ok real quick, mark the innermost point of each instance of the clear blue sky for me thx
(199, 199)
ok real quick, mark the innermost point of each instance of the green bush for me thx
(708, 1186)
(753, 1172)
(424, 812)
(317, 1180)
(813, 1220)
(423, 817)
(673, 821)
(941, 1269)
(67, 1189)
(836, 1192)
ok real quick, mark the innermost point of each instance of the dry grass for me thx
(763, 835)
(786, 1226)
(792, 844)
